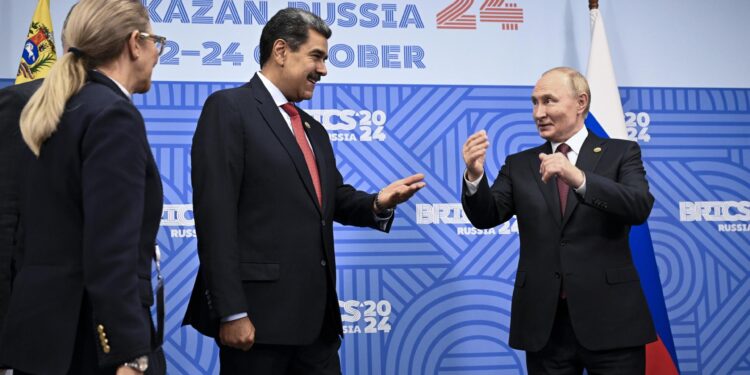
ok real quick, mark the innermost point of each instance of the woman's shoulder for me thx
(95, 99)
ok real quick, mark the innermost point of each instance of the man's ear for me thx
(133, 45)
(583, 101)
(278, 51)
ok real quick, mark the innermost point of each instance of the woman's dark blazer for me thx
(91, 207)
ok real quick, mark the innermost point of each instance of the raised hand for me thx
(400, 191)
(475, 152)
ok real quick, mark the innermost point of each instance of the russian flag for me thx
(606, 119)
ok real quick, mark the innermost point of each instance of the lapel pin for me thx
(597, 149)
(307, 125)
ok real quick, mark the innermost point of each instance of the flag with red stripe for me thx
(606, 119)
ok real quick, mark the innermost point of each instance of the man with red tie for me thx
(266, 191)
(577, 299)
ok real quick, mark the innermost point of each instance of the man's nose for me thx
(538, 112)
(322, 69)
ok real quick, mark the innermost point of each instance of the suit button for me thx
(563, 243)
(557, 275)
(323, 262)
(323, 223)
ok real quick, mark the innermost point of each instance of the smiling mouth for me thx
(313, 78)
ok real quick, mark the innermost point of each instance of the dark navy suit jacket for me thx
(585, 251)
(264, 242)
(12, 100)
(91, 208)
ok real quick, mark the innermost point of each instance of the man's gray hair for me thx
(578, 83)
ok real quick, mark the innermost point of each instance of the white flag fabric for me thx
(606, 106)
(606, 114)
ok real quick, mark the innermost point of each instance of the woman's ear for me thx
(133, 45)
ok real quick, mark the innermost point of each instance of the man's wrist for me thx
(471, 178)
(583, 180)
(377, 205)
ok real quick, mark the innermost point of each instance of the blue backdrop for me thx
(433, 296)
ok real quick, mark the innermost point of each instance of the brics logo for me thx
(365, 316)
(457, 15)
(348, 125)
(179, 215)
(453, 213)
(441, 213)
(715, 211)
(728, 211)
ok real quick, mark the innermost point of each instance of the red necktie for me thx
(299, 135)
(562, 187)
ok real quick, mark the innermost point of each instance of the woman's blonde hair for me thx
(96, 31)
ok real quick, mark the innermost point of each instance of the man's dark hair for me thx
(291, 25)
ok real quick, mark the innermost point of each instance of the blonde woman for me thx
(91, 206)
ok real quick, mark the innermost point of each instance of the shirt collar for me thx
(276, 94)
(575, 142)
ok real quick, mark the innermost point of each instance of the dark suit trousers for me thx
(319, 358)
(564, 355)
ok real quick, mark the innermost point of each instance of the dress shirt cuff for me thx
(233, 317)
(581, 190)
(472, 186)
(383, 218)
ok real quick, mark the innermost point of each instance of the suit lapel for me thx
(587, 161)
(278, 125)
(549, 189)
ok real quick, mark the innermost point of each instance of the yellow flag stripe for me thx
(39, 53)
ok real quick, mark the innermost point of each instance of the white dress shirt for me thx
(279, 99)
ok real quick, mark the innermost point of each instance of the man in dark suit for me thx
(577, 301)
(266, 191)
(12, 101)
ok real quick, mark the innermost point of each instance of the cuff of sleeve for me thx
(385, 215)
(581, 190)
(233, 317)
(472, 186)
(382, 219)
